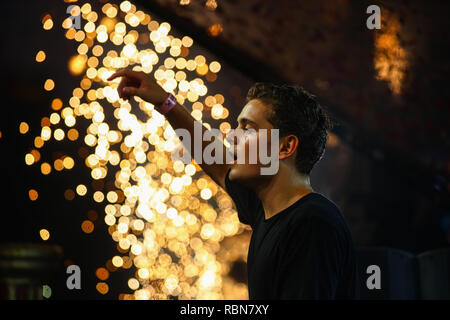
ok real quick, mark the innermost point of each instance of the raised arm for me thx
(140, 84)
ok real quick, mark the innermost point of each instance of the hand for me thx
(139, 84)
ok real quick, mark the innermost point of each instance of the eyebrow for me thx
(246, 120)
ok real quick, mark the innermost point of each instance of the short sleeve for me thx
(311, 263)
(247, 202)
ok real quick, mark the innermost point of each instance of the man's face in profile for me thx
(251, 120)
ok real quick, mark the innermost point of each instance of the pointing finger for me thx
(127, 73)
(116, 75)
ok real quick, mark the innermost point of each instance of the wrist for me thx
(168, 104)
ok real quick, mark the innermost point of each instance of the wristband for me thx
(167, 105)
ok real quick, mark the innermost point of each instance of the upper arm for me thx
(185, 125)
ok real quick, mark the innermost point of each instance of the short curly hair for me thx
(296, 111)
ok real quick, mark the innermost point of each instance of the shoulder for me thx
(318, 228)
(319, 214)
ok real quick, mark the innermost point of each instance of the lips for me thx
(235, 155)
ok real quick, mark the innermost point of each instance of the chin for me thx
(244, 174)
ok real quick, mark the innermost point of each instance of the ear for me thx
(288, 145)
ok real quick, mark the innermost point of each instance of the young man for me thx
(301, 247)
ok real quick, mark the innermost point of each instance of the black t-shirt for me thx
(303, 252)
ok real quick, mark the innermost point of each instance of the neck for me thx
(282, 190)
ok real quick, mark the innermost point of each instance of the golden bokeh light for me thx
(117, 261)
(36, 155)
(215, 67)
(40, 56)
(152, 204)
(48, 24)
(58, 165)
(38, 142)
(391, 60)
(46, 168)
(59, 134)
(23, 127)
(68, 163)
(92, 215)
(102, 274)
(29, 159)
(69, 194)
(77, 64)
(81, 190)
(54, 118)
(49, 85)
(133, 284)
(57, 104)
(102, 287)
(44, 234)
(98, 196)
(72, 134)
(33, 194)
(215, 30)
(87, 226)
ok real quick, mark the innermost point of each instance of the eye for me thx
(249, 130)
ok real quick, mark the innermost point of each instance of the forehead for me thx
(256, 111)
